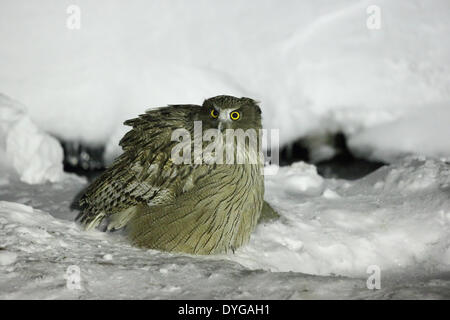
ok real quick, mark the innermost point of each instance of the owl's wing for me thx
(144, 173)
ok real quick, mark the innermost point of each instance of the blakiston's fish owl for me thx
(192, 208)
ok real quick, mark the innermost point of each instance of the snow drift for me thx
(396, 217)
(424, 132)
(34, 155)
(314, 64)
(329, 234)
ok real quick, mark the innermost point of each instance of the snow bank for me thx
(425, 132)
(397, 217)
(314, 64)
(25, 149)
(42, 251)
(301, 178)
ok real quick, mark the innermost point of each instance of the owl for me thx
(194, 207)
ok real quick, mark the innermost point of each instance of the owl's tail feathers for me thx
(89, 221)
(88, 217)
(121, 219)
(111, 222)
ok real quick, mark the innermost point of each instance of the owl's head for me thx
(228, 112)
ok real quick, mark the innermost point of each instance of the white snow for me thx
(34, 155)
(425, 132)
(7, 258)
(314, 64)
(397, 218)
(108, 257)
(301, 178)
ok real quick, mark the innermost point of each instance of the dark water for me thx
(344, 165)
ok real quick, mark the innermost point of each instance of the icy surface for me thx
(314, 64)
(34, 155)
(396, 218)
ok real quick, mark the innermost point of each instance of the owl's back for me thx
(144, 173)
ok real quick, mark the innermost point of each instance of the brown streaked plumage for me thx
(192, 208)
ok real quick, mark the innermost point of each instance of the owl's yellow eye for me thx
(235, 115)
(214, 113)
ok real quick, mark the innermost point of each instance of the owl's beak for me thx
(222, 126)
(224, 120)
(224, 116)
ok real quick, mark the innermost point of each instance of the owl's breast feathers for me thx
(217, 215)
(200, 209)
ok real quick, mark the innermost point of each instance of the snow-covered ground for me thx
(25, 148)
(330, 233)
(314, 65)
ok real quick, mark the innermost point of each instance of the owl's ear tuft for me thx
(253, 102)
(206, 103)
